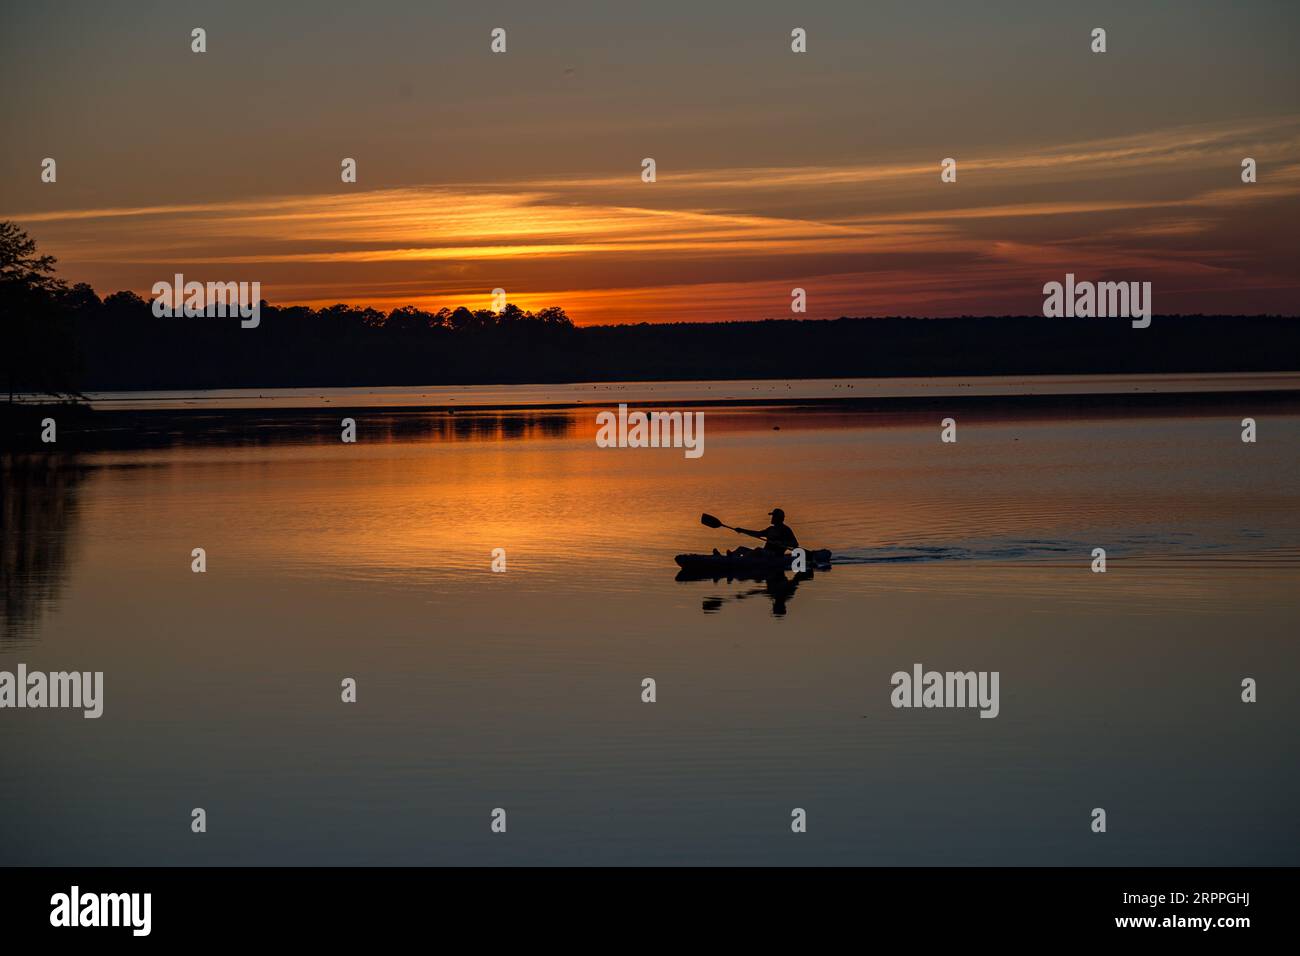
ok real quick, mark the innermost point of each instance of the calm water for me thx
(522, 690)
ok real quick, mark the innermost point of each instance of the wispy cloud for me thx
(864, 239)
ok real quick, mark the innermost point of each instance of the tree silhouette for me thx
(54, 337)
(35, 318)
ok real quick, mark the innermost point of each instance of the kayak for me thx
(737, 565)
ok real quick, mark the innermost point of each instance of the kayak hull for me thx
(745, 565)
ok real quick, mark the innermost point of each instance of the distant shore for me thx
(296, 349)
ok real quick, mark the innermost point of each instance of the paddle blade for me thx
(710, 522)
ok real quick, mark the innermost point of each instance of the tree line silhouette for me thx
(59, 339)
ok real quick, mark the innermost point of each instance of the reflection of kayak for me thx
(740, 565)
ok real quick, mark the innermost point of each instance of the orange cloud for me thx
(715, 244)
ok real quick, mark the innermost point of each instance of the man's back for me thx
(779, 538)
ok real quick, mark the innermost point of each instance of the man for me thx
(778, 535)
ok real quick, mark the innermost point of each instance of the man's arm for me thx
(761, 535)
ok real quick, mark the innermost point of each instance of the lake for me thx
(522, 690)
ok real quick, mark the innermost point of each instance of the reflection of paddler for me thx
(781, 589)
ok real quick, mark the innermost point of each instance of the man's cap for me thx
(774, 512)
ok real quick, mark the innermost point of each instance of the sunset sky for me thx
(775, 170)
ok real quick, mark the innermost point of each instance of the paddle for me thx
(711, 522)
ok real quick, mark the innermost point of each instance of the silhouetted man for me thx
(778, 535)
